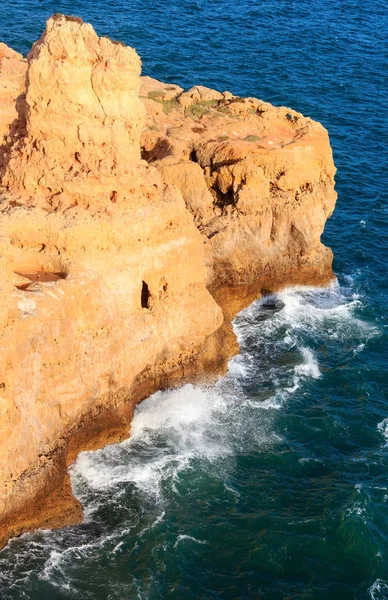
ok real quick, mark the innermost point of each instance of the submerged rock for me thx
(130, 212)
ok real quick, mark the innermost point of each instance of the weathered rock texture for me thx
(13, 70)
(83, 120)
(258, 180)
(106, 262)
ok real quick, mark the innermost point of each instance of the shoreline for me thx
(53, 506)
(137, 219)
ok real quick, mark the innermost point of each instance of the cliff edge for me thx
(135, 220)
(258, 180)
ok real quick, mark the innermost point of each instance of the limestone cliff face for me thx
(13, 69)
(119, 211)
(259, 181)
(102, 271)
(83, 120)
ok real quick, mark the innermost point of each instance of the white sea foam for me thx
(59, 559)
(238, 366)
(356, 509)
(183, 537)
(359, 349)
(169, 431)
(275, 403)
(309, 367)
(310, 459)
(234, 492)
(308, 306)
(307, 312)
(379, 590)
(383, 428)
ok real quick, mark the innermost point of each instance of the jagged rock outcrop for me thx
(102, 273)
(84, 120)
(259, 181)
(13, 70)
(120, 208)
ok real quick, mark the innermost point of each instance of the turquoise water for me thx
(273, 483)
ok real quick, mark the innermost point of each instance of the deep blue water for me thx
(273, 483)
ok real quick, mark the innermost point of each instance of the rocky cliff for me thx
(258, 180)
(130, 212)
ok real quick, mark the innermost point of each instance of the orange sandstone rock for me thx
(122, 202)
(84, 120)
(102, 274)
(13, 69)
(258, 180)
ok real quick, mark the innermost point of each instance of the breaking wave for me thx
(186, 445)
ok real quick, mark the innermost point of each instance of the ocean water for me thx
(272, 484)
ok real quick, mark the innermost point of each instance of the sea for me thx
(272, 483)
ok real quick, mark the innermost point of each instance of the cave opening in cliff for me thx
(193, 154)
(145, 295)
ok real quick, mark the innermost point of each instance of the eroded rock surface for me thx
(259, 181)
(102, 271)
(123, 201)
(84, 120)
(13, 70)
